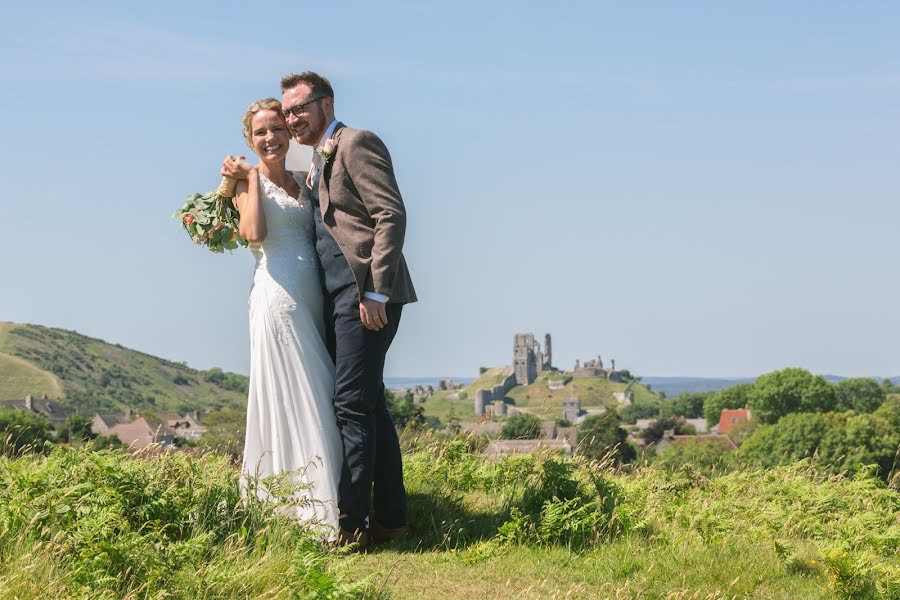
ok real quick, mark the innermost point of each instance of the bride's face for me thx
(269, 136)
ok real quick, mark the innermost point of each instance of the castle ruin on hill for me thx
(595, 368)
(530, 361)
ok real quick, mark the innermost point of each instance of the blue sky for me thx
(701, 188)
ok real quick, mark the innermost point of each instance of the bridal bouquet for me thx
(211, 219)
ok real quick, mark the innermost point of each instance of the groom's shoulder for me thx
(360, 138)
(350, 134)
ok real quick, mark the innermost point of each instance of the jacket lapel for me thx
(325, 175)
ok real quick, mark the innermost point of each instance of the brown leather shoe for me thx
(347, 538)
(380, 534)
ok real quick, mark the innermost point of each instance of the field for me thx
(82, 524)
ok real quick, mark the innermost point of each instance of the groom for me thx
(360, 225)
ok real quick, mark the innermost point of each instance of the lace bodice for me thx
(290, 238)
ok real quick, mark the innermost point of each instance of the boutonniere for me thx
(327, 151)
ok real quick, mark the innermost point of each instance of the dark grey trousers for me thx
(371, 448)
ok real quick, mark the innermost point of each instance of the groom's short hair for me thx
(318, 85)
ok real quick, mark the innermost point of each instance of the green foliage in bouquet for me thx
(211, 219)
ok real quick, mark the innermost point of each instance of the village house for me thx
(730, 418)
(51, 410)
(103, 422)
(142, 432)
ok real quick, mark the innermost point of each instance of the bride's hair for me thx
(264, 104)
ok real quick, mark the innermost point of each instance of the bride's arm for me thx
(249, 204)
(246, 198)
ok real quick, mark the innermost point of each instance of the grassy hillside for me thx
(593, 392)
(90, 374)
(82, 524)
(537, 398)
(488, 379)
(17, 374)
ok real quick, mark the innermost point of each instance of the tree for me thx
(737, 396)
(20, 430)
(106, 442)
(640, 409)
(657, 430)
(454, 425)
(688, 405)
(405, 411)
(522, 426)
(779, 393)
(627, 377)
(794, 437)
(708, 456)
(600, 435)
(225, 431)
(862, 395)
(843, 442)
(79, 429)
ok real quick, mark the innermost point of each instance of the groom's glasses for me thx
(299, 109)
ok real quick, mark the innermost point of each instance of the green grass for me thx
(103, 525)
(628, 568)
(594, 392)
(81, 524)
(443, 402)
(488, 379)
(18, 377)
(96, 375)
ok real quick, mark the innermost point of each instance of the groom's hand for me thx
(373, 314)
(236, 167)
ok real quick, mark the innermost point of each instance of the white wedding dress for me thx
(290, 418)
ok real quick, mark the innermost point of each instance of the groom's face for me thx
(313, 119)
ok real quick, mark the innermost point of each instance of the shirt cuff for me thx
(376, 296)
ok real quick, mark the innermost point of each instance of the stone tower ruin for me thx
(548, 359)
(528, 360)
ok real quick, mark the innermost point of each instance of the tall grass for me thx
(77, 523)
(80, 523)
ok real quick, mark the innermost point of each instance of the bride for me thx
(291, 427)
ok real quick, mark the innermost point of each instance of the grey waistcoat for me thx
(335, 267)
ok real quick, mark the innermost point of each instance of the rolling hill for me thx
(90, 375)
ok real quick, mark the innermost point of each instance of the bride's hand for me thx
(236, 167)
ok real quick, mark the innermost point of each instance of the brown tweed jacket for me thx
(362, 208)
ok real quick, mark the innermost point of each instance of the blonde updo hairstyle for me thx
(264, 104)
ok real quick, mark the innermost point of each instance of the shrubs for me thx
(841, 442)
(522, 426)
(848, 526)
(104, 525)
(22, 431)
(601, 436)
(108, 525)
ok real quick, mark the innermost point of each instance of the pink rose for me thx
(327, 150)
(187, 219)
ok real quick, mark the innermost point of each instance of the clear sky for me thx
(691, 188)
